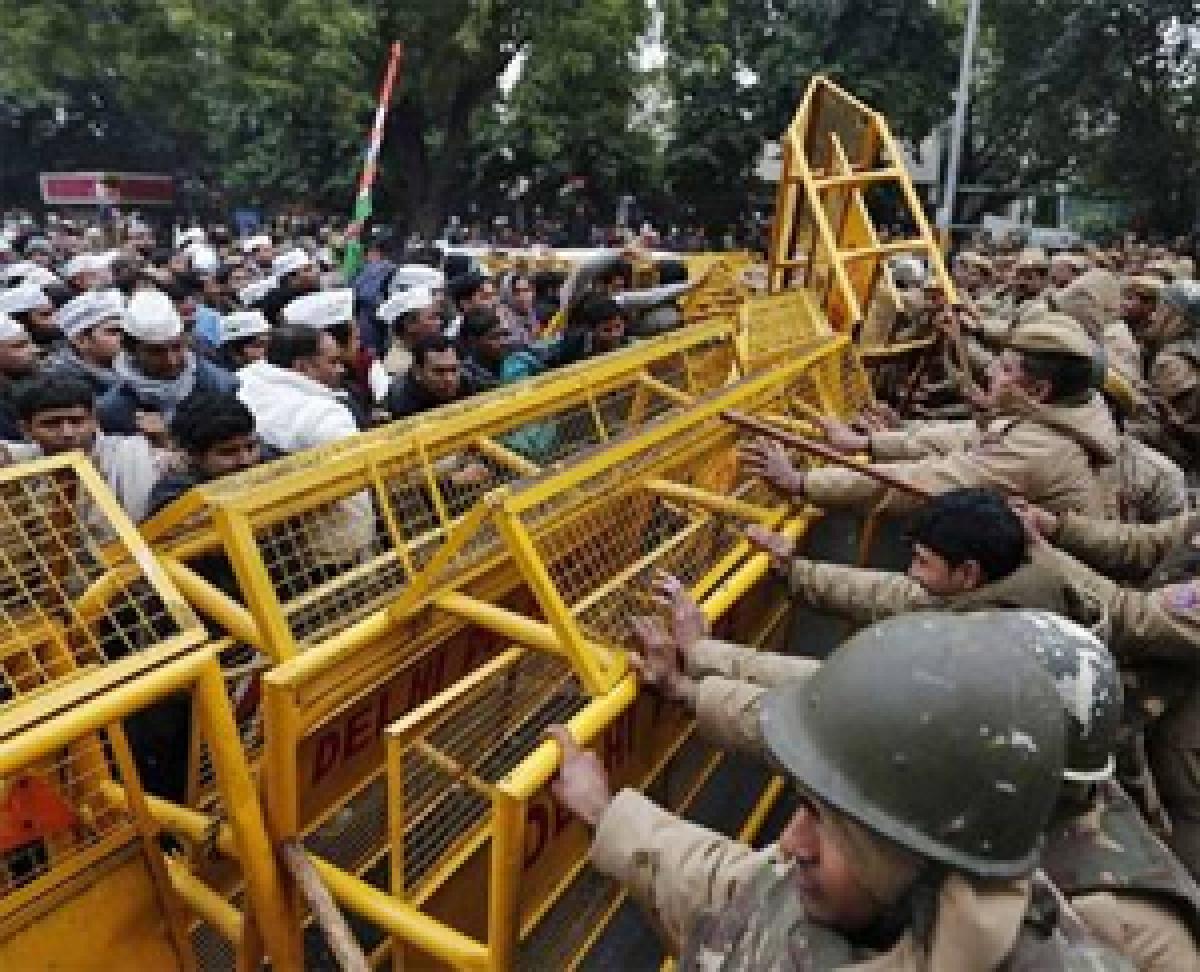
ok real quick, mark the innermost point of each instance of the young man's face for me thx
(229, 456)
(485, 296)
(1028, 282)
(522, 295)
(608, 334)
(1138, 308)
(18, 357)
(823, 875)
(938, 577)
(1007, 372)
(439, 375)
(326, 365)
(164, 361)
(423, 323)
(58, 430)
(101, 343)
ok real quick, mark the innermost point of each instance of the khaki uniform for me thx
(865, 596)
(686, 875)
(1156, 636)
(1129, 889)
(1050, 460)
(1094, 300)
(1148, 485)
(1173, 375)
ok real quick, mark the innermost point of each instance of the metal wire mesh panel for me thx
(75, 594)
(54, 817)
(447, 770)
(782, 325)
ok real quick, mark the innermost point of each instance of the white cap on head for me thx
(321, 310)
(256, 290)
(85, 263)
(242, 324)
(20, 300)
(88, 310)
(413, 299)
(203, 258)
(290, 262)
(152, 318)
(193, 235)
(417, 275)
(11, 329)
(30, 273)
(254, 242)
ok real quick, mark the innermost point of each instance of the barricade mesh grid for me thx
(54, 811)
(339, 559)
(72, 596)
(447, 770)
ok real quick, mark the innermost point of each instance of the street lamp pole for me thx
(959, 131)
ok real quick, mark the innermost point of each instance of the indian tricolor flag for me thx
(352, 258)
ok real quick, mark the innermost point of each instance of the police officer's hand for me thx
(842, 437)
(1040, 525)
(656, 658)
(686, 622)
(152, 425)
(768, 460)
(582, 784)
(779, 548)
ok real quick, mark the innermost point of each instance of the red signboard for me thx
(106, 189)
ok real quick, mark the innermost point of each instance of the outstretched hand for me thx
(769, 460)
(1040, 525)
(582, 783)
(779, 548)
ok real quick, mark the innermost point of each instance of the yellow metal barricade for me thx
(99, 646)
(543, 642)
(838, 157)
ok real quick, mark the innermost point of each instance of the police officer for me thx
(1128, 888)
(1156, 637)
(925, 753)
(1173, 374)
(1052, 431)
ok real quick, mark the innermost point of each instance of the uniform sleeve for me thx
(1122, 547)
(927, 439)
(1149, 934)
(727, 713)
(855, 593)
(724, 659)
(1006, 464)
(1161, 487)
(675, 869)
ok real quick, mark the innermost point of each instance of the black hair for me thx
(478, 322)
(401, 323)
(205, 419)
(672, 272)
(287, 345)
(971, 524)
(465, 286)
(1070, 376)
(44, 392)
(621, 270)
(590, 311)
(431, 344)
(340, 331)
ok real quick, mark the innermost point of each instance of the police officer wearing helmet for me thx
(1172, 340)
(1133, 893)
(926, 754)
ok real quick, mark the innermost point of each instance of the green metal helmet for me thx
(1088, 683)
(1184, 296)
(935, 731)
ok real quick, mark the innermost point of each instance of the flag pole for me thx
(352, 258)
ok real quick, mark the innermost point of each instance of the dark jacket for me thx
(117, 409)
(407, 396)
(370, 288)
